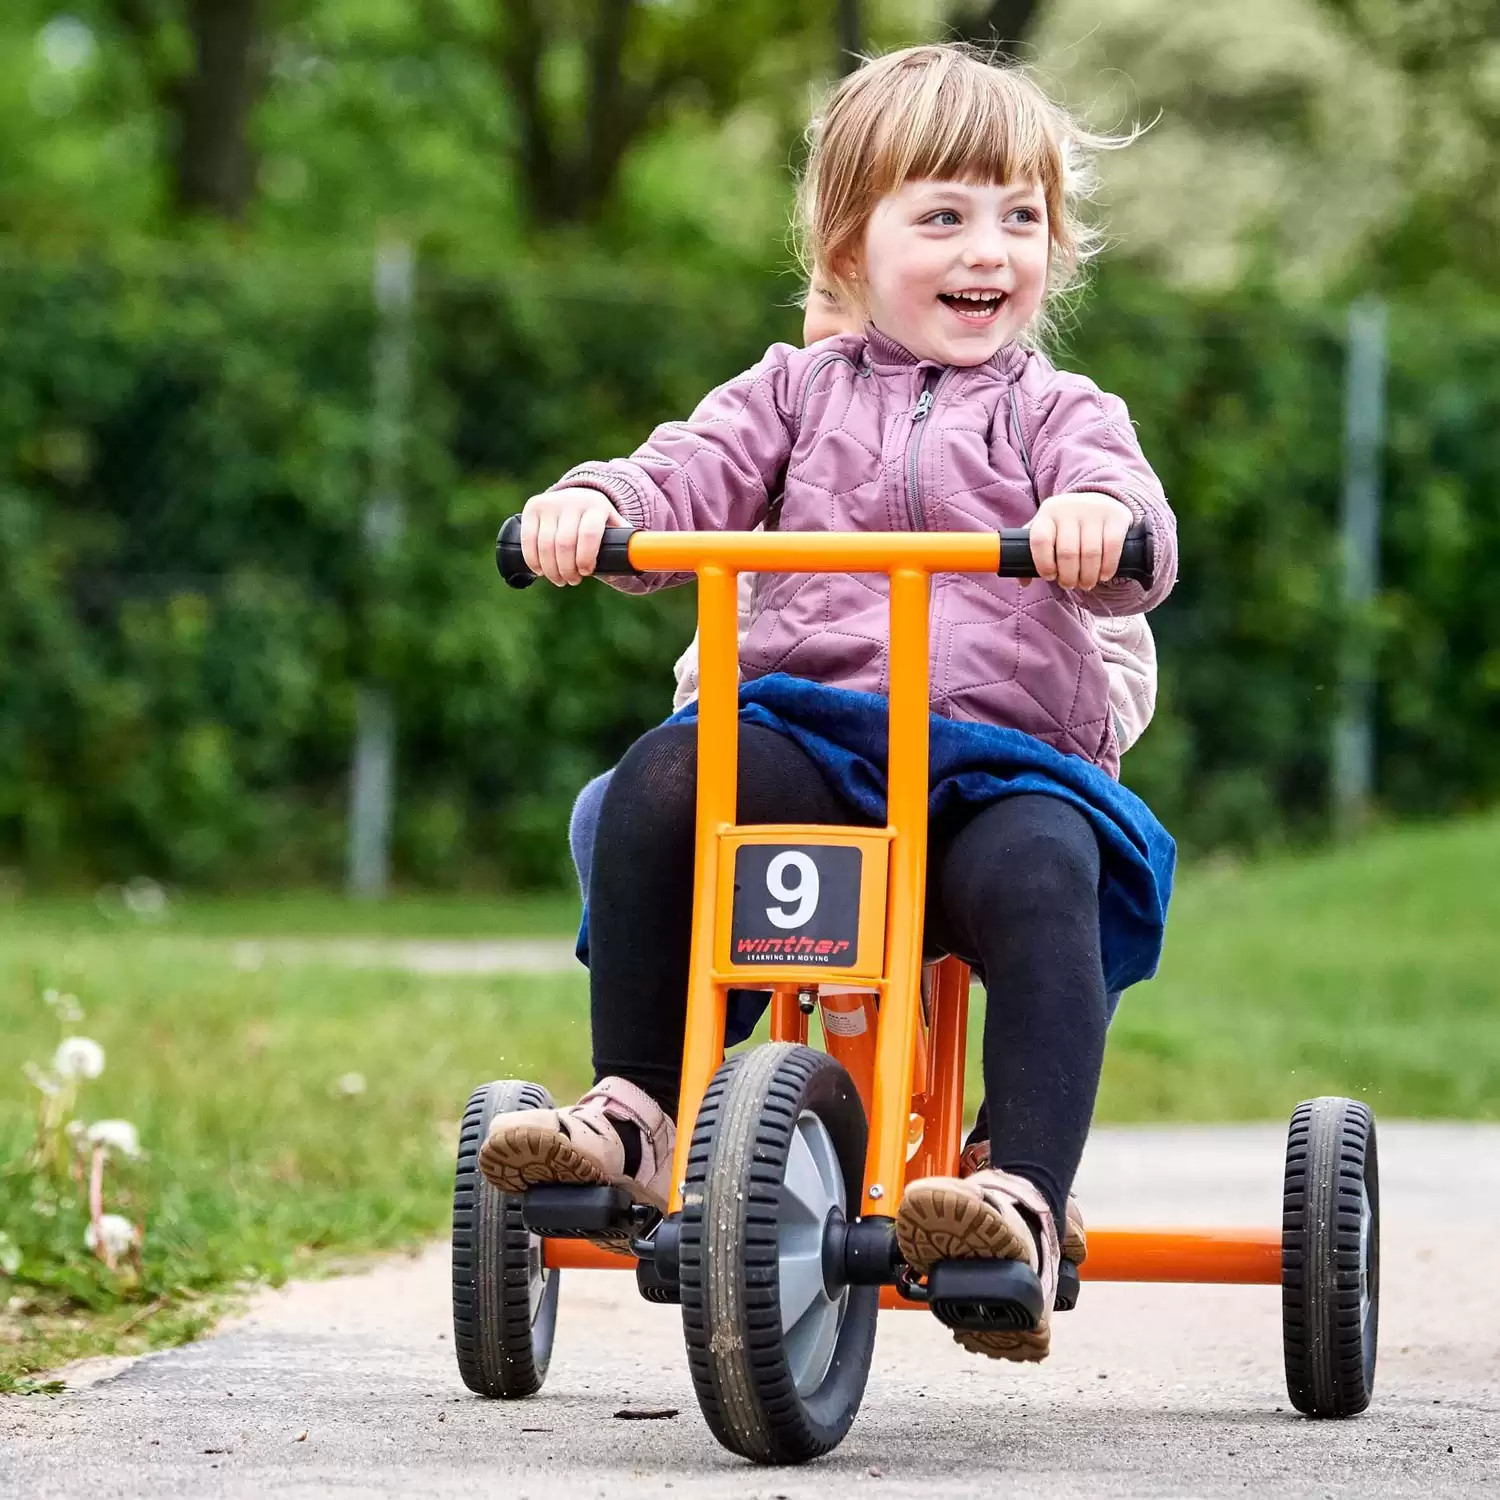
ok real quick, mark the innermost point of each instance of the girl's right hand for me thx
(561, 531)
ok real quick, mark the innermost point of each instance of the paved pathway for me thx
(1151, 1391)
(418, 956)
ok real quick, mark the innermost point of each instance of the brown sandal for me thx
(990, 1215)
(581, 1146)
(975, 1157)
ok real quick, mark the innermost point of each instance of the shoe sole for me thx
(531, 1156)
(528, 1155)
(936, 1223)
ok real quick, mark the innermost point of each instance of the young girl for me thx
(939, 203)
(1129, 656)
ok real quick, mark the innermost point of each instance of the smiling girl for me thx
(940, 202)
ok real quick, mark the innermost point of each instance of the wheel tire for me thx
(1330, 1257)
(767, 1393)
(504, 1302)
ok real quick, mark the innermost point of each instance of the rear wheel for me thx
(778, 1343)
(1330, 1257)
(504, 1298)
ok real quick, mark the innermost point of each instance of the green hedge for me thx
(186, 602)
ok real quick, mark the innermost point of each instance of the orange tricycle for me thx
(779, 1241)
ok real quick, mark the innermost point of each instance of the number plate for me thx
(796, 903)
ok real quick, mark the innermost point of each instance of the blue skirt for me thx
(970, 766)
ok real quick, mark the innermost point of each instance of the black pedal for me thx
(984, 1296)
(567, 1212)
(656, 1266)
(653, 1286)
(1067, 1287)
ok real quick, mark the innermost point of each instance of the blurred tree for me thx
(587, 80)
(849, 32)
(1005, 25)
(1272, 139)
(1448, 51)
(208, 64)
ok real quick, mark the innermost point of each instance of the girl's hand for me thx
(1076, 539)
(561, 531)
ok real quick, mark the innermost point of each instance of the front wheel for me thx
(1330, 1257)
(778, 1343)
(504, 1298)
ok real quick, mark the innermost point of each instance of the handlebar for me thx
(628, 551)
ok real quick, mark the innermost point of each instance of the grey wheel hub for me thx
(811, 1193)
(537, 1275)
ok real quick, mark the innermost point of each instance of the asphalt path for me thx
(348, 1387)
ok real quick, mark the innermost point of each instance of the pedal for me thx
(985, 1296)
(563, 1212)
(653, 1286)
(1067, 1287)
(656, 1266)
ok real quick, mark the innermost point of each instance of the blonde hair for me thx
(944, 112)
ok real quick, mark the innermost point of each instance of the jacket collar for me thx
(886, 353)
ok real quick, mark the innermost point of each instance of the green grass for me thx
(1374, 970)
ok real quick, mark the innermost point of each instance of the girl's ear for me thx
(849, 273)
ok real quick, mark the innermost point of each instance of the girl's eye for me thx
(1026, 215)
(944, 218)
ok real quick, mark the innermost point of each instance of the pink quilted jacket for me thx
(859, 435)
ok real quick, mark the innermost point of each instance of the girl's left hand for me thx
(1076, 539)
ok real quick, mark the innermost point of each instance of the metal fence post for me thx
(1353, 778)
(372, 775)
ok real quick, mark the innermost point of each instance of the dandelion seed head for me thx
(78, 1057)
(115, 1135)
(114, 1232)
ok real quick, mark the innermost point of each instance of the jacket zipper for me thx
(914, 451)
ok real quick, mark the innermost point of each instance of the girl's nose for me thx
(985, 247)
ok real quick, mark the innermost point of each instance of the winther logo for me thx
(799, 947)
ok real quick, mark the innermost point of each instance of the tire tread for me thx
(493, 1337)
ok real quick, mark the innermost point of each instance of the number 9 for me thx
(804, 892)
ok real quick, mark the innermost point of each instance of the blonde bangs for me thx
(976, 124)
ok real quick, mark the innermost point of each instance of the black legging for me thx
(1012, 889)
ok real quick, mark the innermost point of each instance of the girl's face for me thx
(954, 271)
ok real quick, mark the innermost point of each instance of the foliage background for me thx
(597, 193)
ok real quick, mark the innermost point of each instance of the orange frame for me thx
(908, 1066)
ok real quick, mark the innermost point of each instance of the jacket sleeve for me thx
(713, 472)
(1086, 442)
(1129, 651)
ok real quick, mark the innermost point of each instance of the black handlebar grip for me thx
(614, 554)
(509, 558)
(1137, 562)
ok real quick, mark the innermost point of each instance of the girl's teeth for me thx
(970, 306)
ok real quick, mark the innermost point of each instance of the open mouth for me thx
(974, 307)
